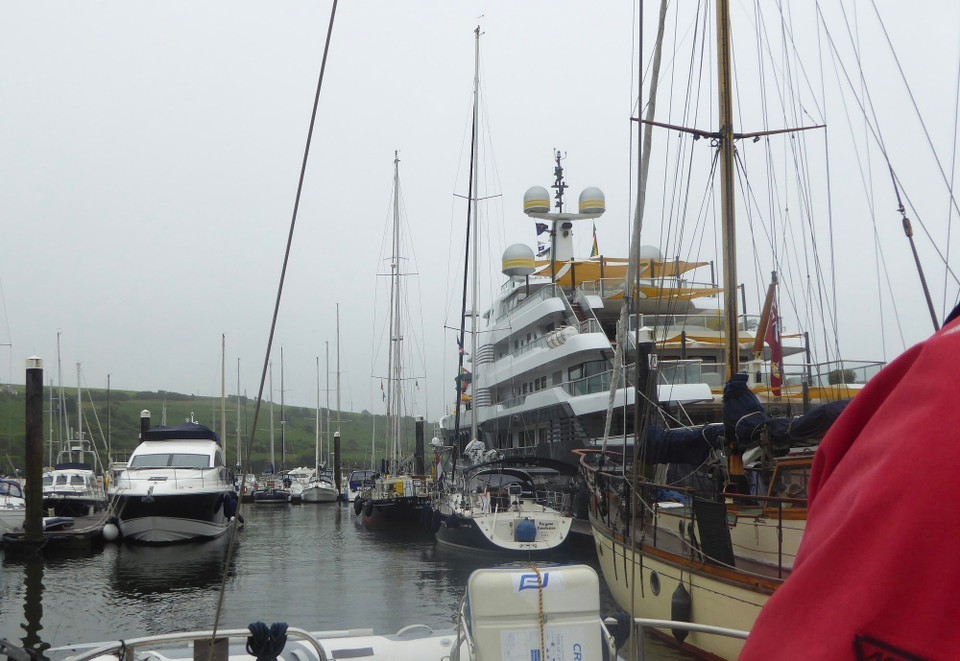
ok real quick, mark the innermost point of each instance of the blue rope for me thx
(266, 643)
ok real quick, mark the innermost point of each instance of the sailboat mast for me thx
(316, 451)
(327, 382)
(223, 394)
(338, 368)
(273, 465)
(393, 351)
(476, 224)
(79, 413)
(239, 462)
(461, 339)
(61, 402)
(283, 420)
(727, 179)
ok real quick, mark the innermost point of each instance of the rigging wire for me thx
(953, 163)
(913, 101)
(273, 322)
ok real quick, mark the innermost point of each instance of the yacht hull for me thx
(394, 512)
(468, 534)
(715, 599)
(172, 519)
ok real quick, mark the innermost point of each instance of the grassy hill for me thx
(121, 427)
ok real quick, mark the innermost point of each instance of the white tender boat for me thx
(530, 613)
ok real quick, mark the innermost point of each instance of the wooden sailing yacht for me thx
(709, 550)
(400, 490)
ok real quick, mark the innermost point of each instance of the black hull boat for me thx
(175, 487)
(170, 519)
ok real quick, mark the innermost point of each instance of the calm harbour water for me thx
(311, 566)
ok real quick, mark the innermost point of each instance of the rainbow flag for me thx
(596, 249)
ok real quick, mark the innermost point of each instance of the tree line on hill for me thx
(112, 420)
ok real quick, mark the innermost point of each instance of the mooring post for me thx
(418, 451)
(336, 460)
(144, 422)
(33, 519)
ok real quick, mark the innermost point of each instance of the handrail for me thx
(685, 626)
(126, 647)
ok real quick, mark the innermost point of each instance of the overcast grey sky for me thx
(149, 154)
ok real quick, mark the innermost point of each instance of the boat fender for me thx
(526, 531)
(453, 521)
(218, 504)
(357, 505)
(368, 508)
(240, 520)
(266, 643)
(426, 516)
(111, 532)
(621, 630)
(680, 608)
(435, 521)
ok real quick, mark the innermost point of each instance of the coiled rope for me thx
(266, 643)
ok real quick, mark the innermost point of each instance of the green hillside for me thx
(122, 426)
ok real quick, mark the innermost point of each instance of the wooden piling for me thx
(33, 488)
(336, 460)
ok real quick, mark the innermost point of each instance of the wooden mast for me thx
(727, 178)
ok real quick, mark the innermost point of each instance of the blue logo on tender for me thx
(530, 582)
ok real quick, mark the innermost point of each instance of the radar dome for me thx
(536, 200)
(518, 260)
(592, 201)
(650, 252)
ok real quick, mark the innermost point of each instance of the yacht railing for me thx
(609, 287)
(643, 623)
(541, 294)
(678, 372)
(690, 322)
(133, 648)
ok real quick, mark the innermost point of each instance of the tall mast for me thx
(61, 403)
(239, 460)
(79, 414)
(327, 381)
(338, 368)
(283, 420)
(727, 178)
(393, 352)
(223, 394)
(316, 451)
(109, 430)
(273, 465)
(326, 345)
(476, 223)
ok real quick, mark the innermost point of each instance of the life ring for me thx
(368, 508)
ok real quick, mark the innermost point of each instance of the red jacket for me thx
(878, 570)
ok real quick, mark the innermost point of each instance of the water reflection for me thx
(33, 605)
(145, 570)
(312, 566)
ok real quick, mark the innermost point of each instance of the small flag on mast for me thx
(382, 393)
(596, 249)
